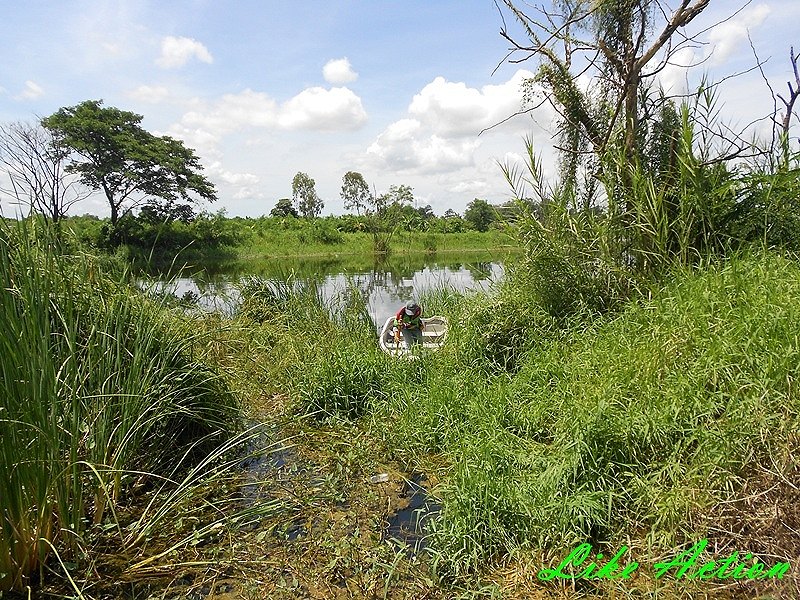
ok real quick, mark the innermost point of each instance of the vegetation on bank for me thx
(629, 428)
(631, 382)
(102, 396)
(214, 236)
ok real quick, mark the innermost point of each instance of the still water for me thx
(386, 285)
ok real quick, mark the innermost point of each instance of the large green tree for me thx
(480, 214)
(304, 194)
(112, 153)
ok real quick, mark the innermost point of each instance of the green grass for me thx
(99, 387)
(283, 243)
(625, 427)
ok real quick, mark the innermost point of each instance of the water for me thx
(406, 527)
(385, 285)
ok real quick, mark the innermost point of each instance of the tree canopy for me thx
(305, 197)
(355, 193)
(480, 214)
(112, 153)
(284, 208)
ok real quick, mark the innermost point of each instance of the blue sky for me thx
(398, 91)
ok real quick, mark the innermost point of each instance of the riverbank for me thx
(218, 238)
(652, 428)
(670, 420)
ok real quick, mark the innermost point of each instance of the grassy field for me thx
(217, 237)
(299, 243)
(669, 420)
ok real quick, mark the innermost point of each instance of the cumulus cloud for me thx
(31, 91)
(401, 148)
(440, 133)
(315, 108)
(453, 109)
(339, 71)
(244, 184)
(726, 37)
(323, 110)
(177, 51)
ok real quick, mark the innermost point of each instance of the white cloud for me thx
(315, 108)
(243, 184)
(31, 91)
(339, 71)
(177, 51)
(150, 94)
(472, 187)
(400, 149)
(453, 109)
(440, 134)
(673, 78)
(321, 109)
(726, 37)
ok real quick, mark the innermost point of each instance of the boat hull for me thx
(434, 334)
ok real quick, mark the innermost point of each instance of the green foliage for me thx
(119, 158)
(322, 231)
(355, 193)
(766, 209)
(608, 429)
(346, 380)
(98, 385)
(284, 208)
(480, 214)
(161, 241)
(304, 195)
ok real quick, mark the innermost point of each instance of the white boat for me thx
(434, 333)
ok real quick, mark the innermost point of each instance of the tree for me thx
(614, 42)
(397, 197)
(480, 214)
(355, 193)
(34, 164)
(284, 208)
(112, 153)
(426, 212)
(304, 195)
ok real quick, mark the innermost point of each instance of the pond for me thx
(386, 285)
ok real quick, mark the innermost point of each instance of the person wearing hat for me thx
(409, 321)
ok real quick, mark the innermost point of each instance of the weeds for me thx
(99, 386)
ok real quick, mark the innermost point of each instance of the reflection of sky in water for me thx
(386, 291)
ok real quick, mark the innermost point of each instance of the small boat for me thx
(434, 334)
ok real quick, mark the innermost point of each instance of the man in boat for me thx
(408, 321)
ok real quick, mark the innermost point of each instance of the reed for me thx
(99, 385)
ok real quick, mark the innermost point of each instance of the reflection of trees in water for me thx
(479, 271)
(376, 283)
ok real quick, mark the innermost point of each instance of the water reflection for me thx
(385, 285)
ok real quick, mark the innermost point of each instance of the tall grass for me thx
(99, 385)
(621, 429)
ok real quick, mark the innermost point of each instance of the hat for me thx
(411, 308)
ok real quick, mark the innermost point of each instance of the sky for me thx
(400, 91)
